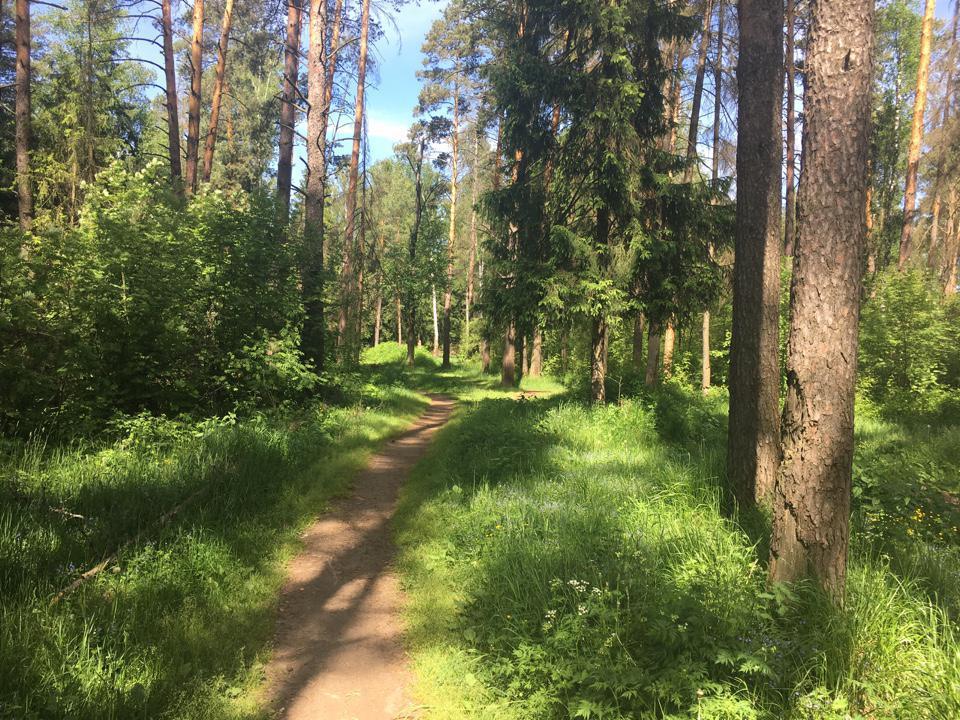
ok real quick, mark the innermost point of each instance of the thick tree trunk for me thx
(953, 244)
(288, 107)
(653, 354)
(193, 104)
(812, 496)
(916, 136)
(22, 112)
(411, 301)
(638, 328)
(508, 373)
(348, 282)
(218, 86)
(753, 445)
(170, 75)
(484, 355)
(536, 355)
(314, 328)
(669, 341)
(693, 134)
(705, 353)
(790, 211)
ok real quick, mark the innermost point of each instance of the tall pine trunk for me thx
(939, 174)
(653, 354)
(916, 136)
(288, 107)
(436, 324)
(23, 121)
(348, 281)
(812, 496)
(536, 354)
(508, 371)
(193, 104)
(637, 354)
(753, 444)
(218, 87)
(317, 116)
(170, 75)
(452, 235)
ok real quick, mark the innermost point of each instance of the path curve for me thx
(338, 651)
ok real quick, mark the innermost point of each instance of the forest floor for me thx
(338, 652)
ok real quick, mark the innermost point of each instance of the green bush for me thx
(908, 343)
(146, 304)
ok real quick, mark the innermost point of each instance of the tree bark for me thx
(669, 342)
(812, 494)
(399, 322)
(218, 85)
(953, 241)
(411, 301)
(790, 210)
(598, 359)
(753, 450)
(170, 74)
(348, 282)
(452, 236)
(288, 107)
(653, 354)
(508, 373)
(436, 324)
(193, 105)
(23, 120)
(536, 355)
(378, 315)
(916, 136)
(638, 358)
(314, 329)
(940, 171)
(474, 242)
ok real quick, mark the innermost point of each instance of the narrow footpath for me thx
(338, 650)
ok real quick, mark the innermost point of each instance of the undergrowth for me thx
(177, 626)
(573, 562)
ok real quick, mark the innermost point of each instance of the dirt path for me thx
(338, 652)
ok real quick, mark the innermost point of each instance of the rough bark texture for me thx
(348, 281)
(508, 372)
(753, 451)
(916, 136)
(170, 74)
(411, 301)
(669, 341)
(474, 242)
(288, 107)
(22, 113)
(536, 354)
(193, 104)
(812, 495)
(312, 267)
(936, 256)
(218, 85)
(653, 354)
(790, 211)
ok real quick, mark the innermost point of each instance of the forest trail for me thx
(338, 653)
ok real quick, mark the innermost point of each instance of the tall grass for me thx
(565, 561)
(177, 626)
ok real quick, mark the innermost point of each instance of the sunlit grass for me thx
(565, 561)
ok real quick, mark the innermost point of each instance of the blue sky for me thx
(392, 97)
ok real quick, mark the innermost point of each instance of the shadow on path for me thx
(338, 651)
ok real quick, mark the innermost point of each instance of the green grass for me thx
(178, 628)
(565, 561)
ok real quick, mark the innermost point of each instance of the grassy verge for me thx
(178, 627)
(564, 561)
